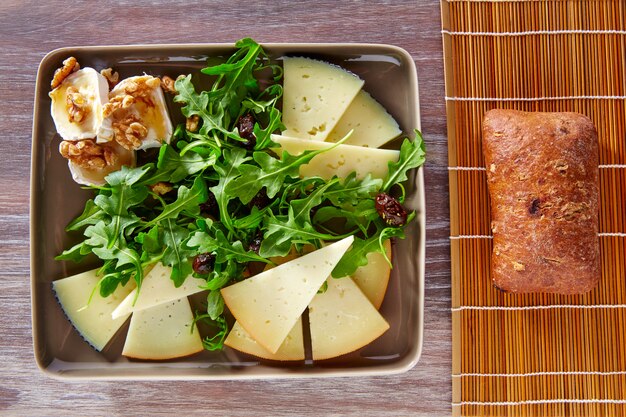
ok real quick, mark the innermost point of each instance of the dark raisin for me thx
(210, 207)
(534, 207)
(390, 210)
(255, 243)
(260, 200)
(245, 125)
(203, 263)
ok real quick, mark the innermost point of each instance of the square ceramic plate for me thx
(390, 77)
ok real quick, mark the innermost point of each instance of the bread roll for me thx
(542, 173)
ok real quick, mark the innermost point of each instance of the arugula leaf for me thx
(356, 256)
(228, 170)
(76, 253)
(222, 248)
(215, 342)
(269, 172)
(179, 167)
(412, 155)
(189, 200)
(352, 189)
(215, 304)
(176, 254)
(92, 214)
(99, 237)
(282, 231)
(198, 105)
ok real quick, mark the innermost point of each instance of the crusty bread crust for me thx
(542, 173)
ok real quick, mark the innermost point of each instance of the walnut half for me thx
(88, 154)
(76, 105)
(70, 65)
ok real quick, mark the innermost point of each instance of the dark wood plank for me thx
(28, 30)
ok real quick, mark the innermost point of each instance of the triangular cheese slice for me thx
(157, 288)
(339, 161)
(372, 126)
(373, 278)
(92, 321)
(163, 332)
(315, 96)
(292, 348)
(342, 320)
(268, 305)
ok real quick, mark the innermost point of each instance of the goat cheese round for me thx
(77, 104)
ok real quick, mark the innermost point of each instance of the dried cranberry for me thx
(203, 263)
(245, 126)
(390, 210)
(260, 200)
(255, 243)
(210, 207)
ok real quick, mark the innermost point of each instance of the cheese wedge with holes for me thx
(373, 278)
(315, 96)
(268, 305)
(157, 288)
(292, 348)
(339, 161)
(342, 320)
(372, 126)
(92, 319)
(163, 332)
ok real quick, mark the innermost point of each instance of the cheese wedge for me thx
(339, 161)
(157, 288)
(268, 305)
(92, 320)
(163, 332)
(315, 96)
(373, 278)
(292, 348)
(342, 320)
(372, 126)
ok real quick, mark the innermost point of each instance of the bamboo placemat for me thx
(535, 355)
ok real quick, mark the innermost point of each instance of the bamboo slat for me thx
(535, 354)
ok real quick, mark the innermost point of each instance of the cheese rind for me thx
(292, 348)
(342, 320)
(163, 332)
(373, 277)
(372, 126)
(315, 96)
(92, 319)
(268, 305)
(94, 89)
(341, 160)
(157, 288)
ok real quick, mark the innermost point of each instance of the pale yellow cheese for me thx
(163, 332)
(372, 126)
(373, 278)
(342, 320)
(92, 319)
(268, 305)
(339, 161)
(292, 348)
(315, 96)
(157, 288)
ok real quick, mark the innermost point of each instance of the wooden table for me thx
(28, 31)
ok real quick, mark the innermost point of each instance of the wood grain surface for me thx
(28, 30)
